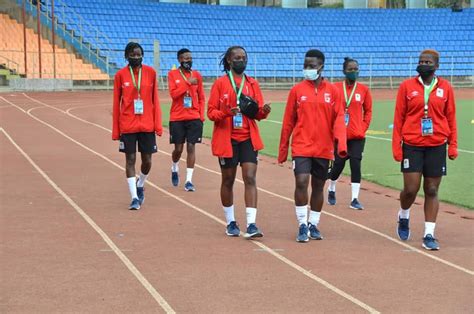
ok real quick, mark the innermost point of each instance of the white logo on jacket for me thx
(177, 81)
(440, 92)
(357, 97)
(303, 98)
(225, 96)
(327, 97)
(126, 84)
(413, 94)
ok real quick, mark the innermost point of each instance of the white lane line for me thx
(179, 199)
(394, 240)
(131, 267)
(375, 137)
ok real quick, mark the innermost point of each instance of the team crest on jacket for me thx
(303, 98)
(177, 81)
(440, 92)
(357, 97)
(327, 97)
(126, 84)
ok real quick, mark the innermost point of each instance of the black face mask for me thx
(425, 70)
(239, 66)
(187, 65)
(135, 62)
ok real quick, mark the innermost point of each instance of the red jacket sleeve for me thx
(259, 98)
(213, 111)
(367, 110)
(156, 107)
(176, 91)
(289, 122)
(202, 98)
(398, 120)
(339, 129)
(450, 113)
(116, 107)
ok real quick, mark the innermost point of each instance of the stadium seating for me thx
(67, 65)
(386, 42)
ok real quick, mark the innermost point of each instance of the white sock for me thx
(404, 213)
(141, 180)
(355, 187)
(429, 228)
(229, 213)
(251, 215)
(175, 167)
(332, 186)
(302, 214)
(132, 187)
(189, 174)
(314, 217)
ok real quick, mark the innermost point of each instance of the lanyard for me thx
(348, 101)
(139, 79)
(428, 90)
(238, 93)
(184, 77)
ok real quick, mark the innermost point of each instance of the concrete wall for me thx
(355, 4)
(233, 2)
(416, 4)
(24, 84)
(294, 3)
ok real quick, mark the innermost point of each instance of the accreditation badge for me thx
(138, 106)
(346, 118)
(188, 102)
(238, 121)
(426, 127)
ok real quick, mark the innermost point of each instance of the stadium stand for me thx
(386, 41)
(68, 66)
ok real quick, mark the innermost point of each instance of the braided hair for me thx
(348, 60)
(130, 47)
(226, 55)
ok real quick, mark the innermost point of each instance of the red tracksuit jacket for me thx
(221, 99)
(124, 118)
(178, 87)
(315, 117)
(409, 110)
(360, 109)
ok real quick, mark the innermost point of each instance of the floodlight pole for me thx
(24, 37)
(38, 26)
(53, 41)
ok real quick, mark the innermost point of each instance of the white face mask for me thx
(310, 74)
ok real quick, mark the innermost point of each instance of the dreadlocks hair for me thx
(227, 54)
(348, 60)
(315, 53)
(431, 52)
(182, 51)
(130, 47)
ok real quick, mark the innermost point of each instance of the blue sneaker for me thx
(331, 198)
(135, 204)
(403, 229)
(189, 187)
(141, 194)
(302, 234)
(174, 178)
(356, 205)
(232, 229)
(314, 233)
(430, 243)
(253, 232)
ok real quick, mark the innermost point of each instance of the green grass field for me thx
(378, 165)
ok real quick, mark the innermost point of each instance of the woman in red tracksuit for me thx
(357, 115)
(236, 137)
(314, 114)
(136, 118)
(424, 123)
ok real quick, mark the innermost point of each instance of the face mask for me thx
(239, 66)
(352, 76)
(135, 62)
(187, 65)
(310, 74)
(425, 70)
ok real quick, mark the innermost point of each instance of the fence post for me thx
(370, 71)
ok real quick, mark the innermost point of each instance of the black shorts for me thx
(242, 152)
(187, 130)
(431, 161)
(355, 149)
(317, 167)
(146, 143)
